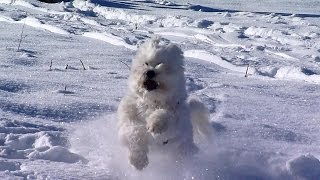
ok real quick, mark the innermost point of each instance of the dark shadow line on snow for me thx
(169, 7)
(116, 4)
(162, 6)
(12, 86)
(291, 14)
(111, 4)
(150, 2)
(67, 113)
(210, 9)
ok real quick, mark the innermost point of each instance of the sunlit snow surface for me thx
(58, 121)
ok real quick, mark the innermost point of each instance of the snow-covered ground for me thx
(57, 119)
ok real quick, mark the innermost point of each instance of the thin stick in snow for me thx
(21, 35)
(125, 64)
(83, 65)
(246, 75)
(51, 65)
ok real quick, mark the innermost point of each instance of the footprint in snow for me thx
(194, 84)
(25, 59)
(13, 86)
(280, 134)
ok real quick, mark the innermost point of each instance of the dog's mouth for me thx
(150, 85)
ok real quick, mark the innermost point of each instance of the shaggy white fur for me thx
(156, 110)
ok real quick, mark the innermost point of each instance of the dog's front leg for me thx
(133, 133)
(135, 138)
(158, 121)
(138, 147)
(138, 158)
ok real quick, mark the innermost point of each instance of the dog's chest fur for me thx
(147, 108)
(179, 127)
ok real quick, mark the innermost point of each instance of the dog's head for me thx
(157, 72)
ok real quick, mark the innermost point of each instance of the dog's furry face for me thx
(157, 72)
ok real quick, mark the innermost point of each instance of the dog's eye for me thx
(146, 64)
(160, 66)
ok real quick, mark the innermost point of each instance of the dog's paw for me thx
(139, 160)
(158, 127)
(158, 122)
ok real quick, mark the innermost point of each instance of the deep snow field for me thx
(57, 120)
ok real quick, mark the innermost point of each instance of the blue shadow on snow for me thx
(210, 9)
(67, 113)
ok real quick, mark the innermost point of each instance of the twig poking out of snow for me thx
(83, 65)
(125, 64)
(65, 91)
(50, 65)
(246, 75)
(21, 34)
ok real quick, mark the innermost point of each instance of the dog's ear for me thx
(174, 53)
(174, 49)
(149, 44)
(152, 42)
(155, 41)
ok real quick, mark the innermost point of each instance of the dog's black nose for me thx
(150, 74)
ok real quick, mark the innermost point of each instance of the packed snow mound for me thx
(31, 141)
(305, 166)
(58, 154)
(296, 73)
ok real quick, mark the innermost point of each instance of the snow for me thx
(57, 120)
(305, 166)
(33, 22)
(109, 38)
(206, 56)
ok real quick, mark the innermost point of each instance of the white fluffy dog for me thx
(156, 110)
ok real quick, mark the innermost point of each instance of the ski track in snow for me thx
(57, 113)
